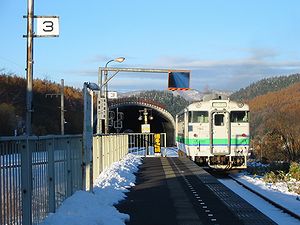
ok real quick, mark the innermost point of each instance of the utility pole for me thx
(62, 106)
(29, 65)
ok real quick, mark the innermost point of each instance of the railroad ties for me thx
(177, 191)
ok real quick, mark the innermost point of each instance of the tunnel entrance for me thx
(162, 122)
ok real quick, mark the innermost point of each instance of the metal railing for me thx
(108, 148)
(38, 173)
(143, 143)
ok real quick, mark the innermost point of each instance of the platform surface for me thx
(177, 191)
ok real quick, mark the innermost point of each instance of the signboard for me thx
(112, 95)
(101, 108)
(179, 81)
(156, 143)
(47, 26)
(145, 128)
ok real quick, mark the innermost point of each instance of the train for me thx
(214, 133)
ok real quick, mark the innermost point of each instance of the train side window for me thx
(219, 119)
(239, 117)
(198, 117)
(190, 116)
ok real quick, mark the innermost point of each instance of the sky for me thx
(226, 44)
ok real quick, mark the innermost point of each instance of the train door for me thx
(220, 142)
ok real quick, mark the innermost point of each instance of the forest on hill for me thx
(275, 124)
(46, 114)
(264, 86)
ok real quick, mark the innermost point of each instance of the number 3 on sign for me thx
(47, 26)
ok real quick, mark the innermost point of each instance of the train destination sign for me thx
(47, 26)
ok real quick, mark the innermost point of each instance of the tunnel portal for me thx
(162, 122)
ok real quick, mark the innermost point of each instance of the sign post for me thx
(47, 26)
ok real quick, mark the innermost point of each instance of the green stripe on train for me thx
(196, 141)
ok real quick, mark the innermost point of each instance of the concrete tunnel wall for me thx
(163, 121)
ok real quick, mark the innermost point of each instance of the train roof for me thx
(216, 104)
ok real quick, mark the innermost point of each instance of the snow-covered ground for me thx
(84, 208)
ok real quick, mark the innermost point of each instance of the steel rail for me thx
(285, 210)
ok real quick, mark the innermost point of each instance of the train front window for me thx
(198, 117)
(219, 120)
(239, 117)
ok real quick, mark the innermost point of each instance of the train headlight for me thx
(240, 104)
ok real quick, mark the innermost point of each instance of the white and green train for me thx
(214, 133)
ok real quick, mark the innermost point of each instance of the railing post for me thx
(26, 182)
(126, 144)
(51, 175)
(100, 153)
(95, 157)
(69, 171)
(115, 148)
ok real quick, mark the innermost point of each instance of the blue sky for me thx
(226, 44)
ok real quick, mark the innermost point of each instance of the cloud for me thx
(224, 74)
(96, 59)
(232, 74)
(262, 53)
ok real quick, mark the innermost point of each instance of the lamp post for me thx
(103, 83)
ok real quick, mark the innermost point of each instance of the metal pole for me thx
(106, 100)
(29, 66)
(145, 116)
(62, 109)
(99, 120)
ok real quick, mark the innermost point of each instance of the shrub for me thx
(294, 171)
(270, 177)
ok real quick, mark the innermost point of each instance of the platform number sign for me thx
(47, 26)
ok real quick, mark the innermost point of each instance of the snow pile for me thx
(84, 208)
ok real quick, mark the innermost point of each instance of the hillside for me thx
(275, 123)
(264, 86)
(46, 115)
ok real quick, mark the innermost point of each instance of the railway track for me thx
(285, 210)
(268, 200)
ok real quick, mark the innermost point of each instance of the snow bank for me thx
(84, 208)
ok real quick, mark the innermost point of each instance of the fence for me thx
(108, 148)
(38, 173)
(144, 143)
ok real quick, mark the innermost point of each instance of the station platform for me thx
(176, 191)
